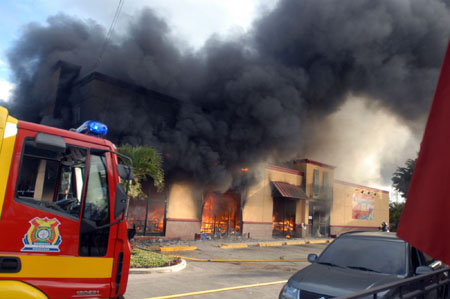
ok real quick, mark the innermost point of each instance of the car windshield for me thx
(374, 255)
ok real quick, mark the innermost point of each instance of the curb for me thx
(232, 246)
(274, 244)
(270, 244)
(246, 245)
(295, 243)
(174, 268)
(177, 248)
(318, 241)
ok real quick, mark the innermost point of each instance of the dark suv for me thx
(357, 261)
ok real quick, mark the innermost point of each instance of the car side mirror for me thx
(312, 257)
(435, 265)
(423, 270)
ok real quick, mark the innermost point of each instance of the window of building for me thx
(326, 189)
(148, 215)
(315, 186)
(325, 179)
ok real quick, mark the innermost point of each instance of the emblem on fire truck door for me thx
(42, 236)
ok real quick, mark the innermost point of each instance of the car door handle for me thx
(10, 264)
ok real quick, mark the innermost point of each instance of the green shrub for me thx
(150, 259)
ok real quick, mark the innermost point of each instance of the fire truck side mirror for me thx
(50, 142)
(125, 172)
(120, 201)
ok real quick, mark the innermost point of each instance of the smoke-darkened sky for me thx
(258, 96)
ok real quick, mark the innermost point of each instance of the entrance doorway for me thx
(283, 219)
(319, 216)
(221, 214)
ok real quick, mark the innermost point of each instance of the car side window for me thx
(52, 180)
(415, 259)
(423, 259)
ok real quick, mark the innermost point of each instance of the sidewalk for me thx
(226, 243)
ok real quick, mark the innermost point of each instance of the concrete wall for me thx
(301, 218)
(307, 167)
(345, 196)
(99, 97)
(183, 211)
(257, 230)
(258, 210)
(319, 201)
(182, 229)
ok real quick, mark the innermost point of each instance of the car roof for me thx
(366, 234)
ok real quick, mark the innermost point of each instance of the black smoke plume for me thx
(248, 99)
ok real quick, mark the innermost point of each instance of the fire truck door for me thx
(96, 212)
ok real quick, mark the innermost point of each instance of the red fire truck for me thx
(62, 206)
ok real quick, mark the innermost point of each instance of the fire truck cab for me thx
(62, 206)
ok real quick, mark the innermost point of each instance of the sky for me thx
(379, 133)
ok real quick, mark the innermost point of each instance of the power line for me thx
(108, 35)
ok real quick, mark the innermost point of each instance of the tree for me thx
(400, 181)
(395, 210)
(402, 177)
(146, 164)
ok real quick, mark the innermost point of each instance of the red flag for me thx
(425, 221)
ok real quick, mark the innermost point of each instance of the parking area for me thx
(244, 276)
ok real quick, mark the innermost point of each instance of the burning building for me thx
(297, 200)
(217, 114)
(304, 200)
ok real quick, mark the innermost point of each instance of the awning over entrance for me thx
(290, 191)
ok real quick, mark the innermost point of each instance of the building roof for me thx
(309, 161)
(283, 169)
(360, 186)
(289, 190)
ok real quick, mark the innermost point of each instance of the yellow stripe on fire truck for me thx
(62, 267)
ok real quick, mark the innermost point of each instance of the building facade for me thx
(302, 201)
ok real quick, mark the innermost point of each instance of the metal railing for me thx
(430, 285)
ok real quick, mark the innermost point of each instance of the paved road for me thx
(201, 276)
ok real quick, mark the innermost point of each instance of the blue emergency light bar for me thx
(91, 127)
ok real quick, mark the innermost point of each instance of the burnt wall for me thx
(132, 113)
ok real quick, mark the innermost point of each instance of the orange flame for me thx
(155, 217)
(155, 220)
(283, 226)
(221, 213)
